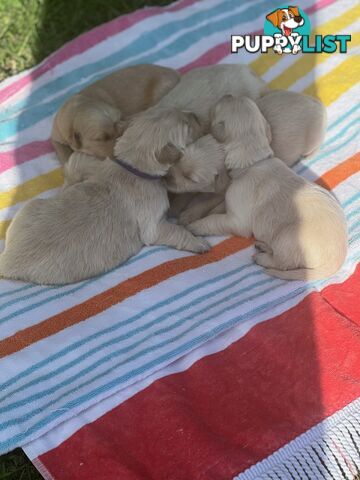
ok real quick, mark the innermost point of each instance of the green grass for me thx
(29, 31)
(32, 29)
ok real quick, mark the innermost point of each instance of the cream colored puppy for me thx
(105, 213)
(196, 92)
(298, 127)
(298, 124)
(299, 227)
(93, 119)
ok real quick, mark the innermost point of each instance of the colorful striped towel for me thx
(68, 355)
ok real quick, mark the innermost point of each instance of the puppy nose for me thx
(298, 19)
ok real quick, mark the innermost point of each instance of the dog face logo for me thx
(287, 25)
(286, 19)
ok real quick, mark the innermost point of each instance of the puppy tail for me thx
(302, 274)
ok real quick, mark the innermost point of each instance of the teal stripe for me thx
(16, 290)
(344, 116)
(341, 133)
(39, 112)
(172, 355)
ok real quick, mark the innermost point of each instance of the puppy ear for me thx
(273, 18)
(76, 138)
(218, 131)
(295, 11)
(169, 154)
(121, 126)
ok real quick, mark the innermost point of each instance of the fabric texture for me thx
(109, 350)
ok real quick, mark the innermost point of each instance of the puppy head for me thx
(156, 139)
(90, 126)
(198, 167)
(286, 18)
(239, 124)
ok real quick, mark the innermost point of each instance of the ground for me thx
(29, 31)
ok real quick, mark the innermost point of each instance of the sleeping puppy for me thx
(297, 122)
(298, 127)
(196, 92)
(105, 213)
(299, 227)
(91, 120)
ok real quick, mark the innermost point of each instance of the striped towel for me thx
(106, 349)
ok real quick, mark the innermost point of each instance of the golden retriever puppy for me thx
(93, 119)
(105, 213)
(196, 92)
(299, 227)
(298, 124)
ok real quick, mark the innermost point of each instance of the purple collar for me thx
(135, 171)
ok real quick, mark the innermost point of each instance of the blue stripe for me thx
(65, 288)
(39, 112)
(144, 351)
(16, 290)
(169, 356)
(354, 226)
(135, 331)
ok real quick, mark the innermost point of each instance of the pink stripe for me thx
(30, 151)
(23, 154)
(88, 40)
(217, 53)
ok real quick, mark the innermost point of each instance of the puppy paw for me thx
(200, 245)
(296, 49)
(196, 228)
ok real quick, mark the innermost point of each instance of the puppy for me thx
(105, 213)
(299, 227)
(91, 120)
(298, 124)
(196, 92)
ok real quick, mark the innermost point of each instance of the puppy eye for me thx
(107, 137)
(284, 17)
(77, 136)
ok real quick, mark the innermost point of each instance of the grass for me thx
(32, 29)
(29, 31)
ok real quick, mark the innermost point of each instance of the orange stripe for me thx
(341, 172)
(117, 294)
(149, 278)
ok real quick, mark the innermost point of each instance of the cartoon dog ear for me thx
(295, 11)
(169, 154)
(273, 18)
